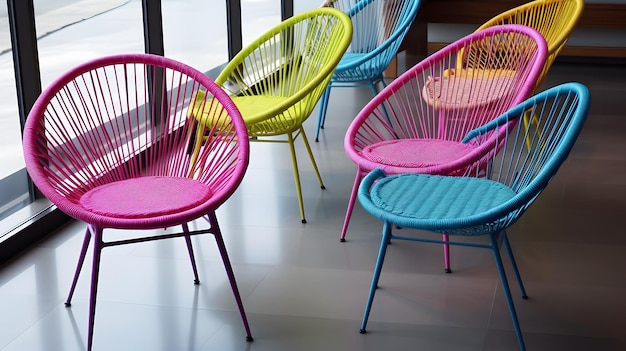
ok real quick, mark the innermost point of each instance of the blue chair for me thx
(379, 26)
(470, 206)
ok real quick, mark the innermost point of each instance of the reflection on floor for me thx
(304, 290)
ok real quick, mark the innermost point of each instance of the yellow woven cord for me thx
(280, 77)
(554, 19)
(210, 120)
(482, 71)
(479, 73)
(277, 80)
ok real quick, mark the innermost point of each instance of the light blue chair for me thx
(470, 206)
(379, 26)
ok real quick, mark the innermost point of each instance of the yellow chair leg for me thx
(296, 176)
(308, 149)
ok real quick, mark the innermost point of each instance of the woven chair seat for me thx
(416, 153)
(249, 107)
(129, 198)
(435, 198)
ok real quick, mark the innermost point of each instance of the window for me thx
(69, 33)
(199, 39)
(13, 184)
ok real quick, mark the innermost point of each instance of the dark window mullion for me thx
(25, 61)
(153, 42)
(233, 22)
(153, 27)
(286, 9)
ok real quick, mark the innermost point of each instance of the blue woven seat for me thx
(450, 205)
(471, 206)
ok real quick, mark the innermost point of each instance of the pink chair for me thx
(418, 123)
(111, 143)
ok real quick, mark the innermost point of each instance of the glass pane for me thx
(13, 184)
(70, 32)
(195, 32)
(305, 5)
(260, 15)
(257, 16)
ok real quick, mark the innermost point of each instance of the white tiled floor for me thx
(304, 290)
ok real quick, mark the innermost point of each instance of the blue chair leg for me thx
(373, 88)
(507, 291)
(514, 265)
(382, 80)
(322, 113)
(379, 265)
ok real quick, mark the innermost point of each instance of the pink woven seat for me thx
(416, 153)
(129, 198)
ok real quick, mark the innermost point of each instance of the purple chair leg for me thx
(191, 255)
(97, 251)
(355, 190)
(79, 266)
(446, 254)
(229, 271)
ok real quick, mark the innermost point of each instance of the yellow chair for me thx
(277, 80)
(554, 19)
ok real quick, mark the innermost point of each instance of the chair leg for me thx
(310, 152)
(192, 257)
(507, 291)
(382, 80)
(509, 251)
(351, 202)
(95, 270)
(229, 272)
(372, 84)
(379, 266)
(321, 119)
(446, 254)
(296, 176)
(79, 266)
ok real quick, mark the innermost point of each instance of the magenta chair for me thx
(418, 122)
(111, 144)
